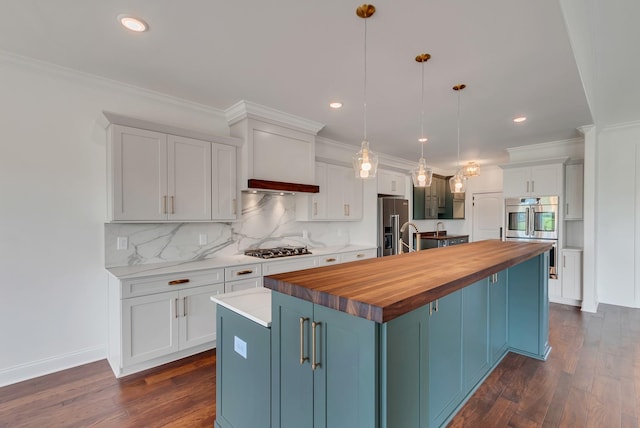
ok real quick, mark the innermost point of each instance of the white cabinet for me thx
(155, 176)
(353, 256)
(391, 183)
(572, 274)
(574, 191)
(339, 199)
(538, 180)
(242, 277)
(157, 319)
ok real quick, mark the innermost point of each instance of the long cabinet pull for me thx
(430, 308)
(176, 307)
(330, 260)
(179, 281)
(302, 357)
(436, 308)
(315, 208)
(361, 255)
(184, 306)
(234, 207)
(164, 204)
(173, 205)
(527, 187)
(244, 272)
(314, 360)
(532, 184)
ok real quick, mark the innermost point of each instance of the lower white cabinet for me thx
(149, 325)
(572, 273)
(242, 277)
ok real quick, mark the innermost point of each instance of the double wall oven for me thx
(534, 219)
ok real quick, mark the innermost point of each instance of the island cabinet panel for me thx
(324, 366)
(498, 316)
(528, 302)
(475, 332)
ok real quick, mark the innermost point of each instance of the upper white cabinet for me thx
(391, 183)
(538, 180)
(574, 190)
(340, 196)
(157, 176)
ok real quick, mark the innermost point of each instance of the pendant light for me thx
(471, 169)
(421, 174)
(365, 162)
(457, 183)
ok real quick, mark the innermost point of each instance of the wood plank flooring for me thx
(592, 379)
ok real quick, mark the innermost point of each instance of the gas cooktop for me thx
(270, 253)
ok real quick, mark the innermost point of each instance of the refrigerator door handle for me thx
(395, 233)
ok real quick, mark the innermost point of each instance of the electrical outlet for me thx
(203, 239)
(305, 234)
(122, 243)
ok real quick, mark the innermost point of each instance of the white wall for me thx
(618, 216)
(53, 206)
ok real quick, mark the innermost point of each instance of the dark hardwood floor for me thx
(591, 379)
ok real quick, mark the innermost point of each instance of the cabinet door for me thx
(345, 380)
(353, 195)
(243, 284)
(445, 357)
(189, 179)
(547, 180)
(391, 183)
(319, 200)
(336, 205)
(291, 373)
(475, 333)
(138, 169)
(224, 192)
(574, 190)
(572, 274)
(516, 182)
(149, 327)
(498, 315)
(198, 315)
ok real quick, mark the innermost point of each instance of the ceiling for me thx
(297, 56)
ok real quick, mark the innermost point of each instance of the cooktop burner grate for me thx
(270, 253)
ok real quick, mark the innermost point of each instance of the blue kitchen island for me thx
(401, 341)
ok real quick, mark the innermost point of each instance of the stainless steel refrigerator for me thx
(392, 214)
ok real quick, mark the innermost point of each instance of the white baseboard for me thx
(46, 366)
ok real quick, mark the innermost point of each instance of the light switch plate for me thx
(122, 243)
(203, 239)
(240, 346)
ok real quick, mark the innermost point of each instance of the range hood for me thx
(278, 153)
(281, 186)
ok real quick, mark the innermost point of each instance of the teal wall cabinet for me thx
(324, 366)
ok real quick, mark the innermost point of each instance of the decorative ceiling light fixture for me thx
(422, 175)
(365, 162)
(457, 182)
(472, 169)
(132, 23)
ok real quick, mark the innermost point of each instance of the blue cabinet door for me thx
(346, 377)
(475, 333)
(498, 315)
(292, 381)
(445, 357)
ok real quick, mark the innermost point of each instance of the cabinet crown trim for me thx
(550, 161)
(249, 110)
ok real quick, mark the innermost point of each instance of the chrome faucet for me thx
(438, 224)
(401, 241)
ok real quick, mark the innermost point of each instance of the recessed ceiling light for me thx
(132, 23)
(335, 104)
(519, 119)
(423, 139)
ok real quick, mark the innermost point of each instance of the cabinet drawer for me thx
(289, 265)
(242, 284)
(242, 272)
(329, 259)
(353, 256)
(161, 283)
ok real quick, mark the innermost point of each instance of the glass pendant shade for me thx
(457, 183)
(421, 174)
(471, 169)
(365, 162)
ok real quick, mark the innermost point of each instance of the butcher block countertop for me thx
(385, 288)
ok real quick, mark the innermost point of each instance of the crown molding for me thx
(623, 125)
(571, 148)
(250, 110)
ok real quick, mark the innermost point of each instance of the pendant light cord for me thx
(458, 127)
(422, 116)
(365, 80)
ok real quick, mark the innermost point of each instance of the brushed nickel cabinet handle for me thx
(175, 306)
(436, 308)
(184, 306)
(244, 272)
(330, 260)
(164, 204)
(302, 357)
(532, 185)
(430, 308)
(173, 205)
(567, 208)
(393, 185)
(178, 281)
(314, 363)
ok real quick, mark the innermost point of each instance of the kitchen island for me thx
(401, 341)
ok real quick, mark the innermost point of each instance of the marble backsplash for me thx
(268, 220)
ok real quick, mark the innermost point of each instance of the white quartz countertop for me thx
(139, 271)
(253, 304)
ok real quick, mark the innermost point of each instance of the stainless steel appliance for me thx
(392, 214)
(270, 253)
(534, 220)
